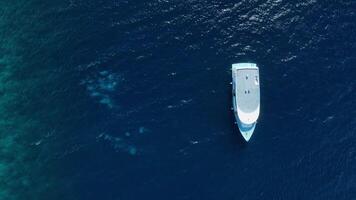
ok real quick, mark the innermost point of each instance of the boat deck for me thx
(247, 89)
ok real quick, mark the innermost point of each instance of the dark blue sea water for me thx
(126, 100)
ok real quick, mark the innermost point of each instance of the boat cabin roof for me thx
(247, 89)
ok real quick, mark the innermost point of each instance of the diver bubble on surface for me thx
(95, 94)
(186, 101)
(104, 73)
(142, 130)
(107, 101)
(172, 74)
(132, 150)
(194, 142)
(102, 86)
(117, 143)
(38, 142)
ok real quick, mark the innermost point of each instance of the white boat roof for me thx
(237, 66)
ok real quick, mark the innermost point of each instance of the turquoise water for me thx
(131, 99)
(34, 79)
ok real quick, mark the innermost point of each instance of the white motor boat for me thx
(246, 97)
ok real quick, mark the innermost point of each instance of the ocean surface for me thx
(126, 100)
